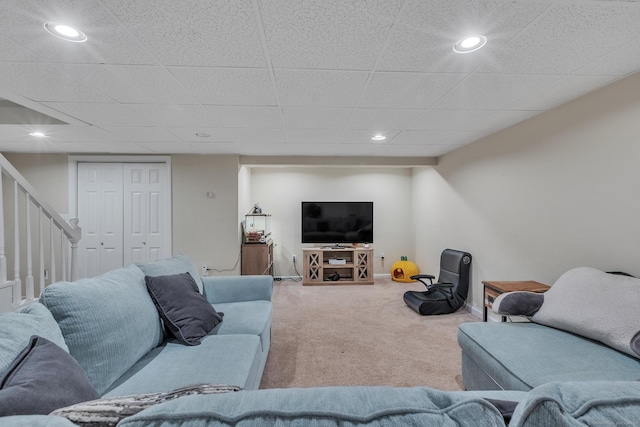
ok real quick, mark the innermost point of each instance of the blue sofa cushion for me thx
(246, 317)
(323, 406)
(597, 403)
(42, 378)
(504, 352)
(173, 265)
(109, 322)
(219, 359)
(16, 329)
(185, 311)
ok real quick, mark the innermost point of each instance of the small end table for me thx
(494, 288)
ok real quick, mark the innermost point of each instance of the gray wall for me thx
(551, 193)
(280, 192)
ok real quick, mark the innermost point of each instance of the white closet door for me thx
(146, 224)
(101, 217)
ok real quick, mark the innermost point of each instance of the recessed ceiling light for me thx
(378, 138)
(65, 32)
(38, 134)
(470, 44)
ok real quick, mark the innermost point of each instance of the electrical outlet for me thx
(381, 255)
(46, 275)
(293, 257)
(205, 271)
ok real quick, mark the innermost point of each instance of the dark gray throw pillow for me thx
(42, 378)
(185, 311)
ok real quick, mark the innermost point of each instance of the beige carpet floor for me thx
(360, 335)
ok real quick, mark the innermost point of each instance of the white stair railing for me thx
(51, 227)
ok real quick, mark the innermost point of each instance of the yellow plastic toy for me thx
(401, 271)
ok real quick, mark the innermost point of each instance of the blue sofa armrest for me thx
(220, 289)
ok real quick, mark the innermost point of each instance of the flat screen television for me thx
(336, 223)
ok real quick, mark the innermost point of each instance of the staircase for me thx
(40, 242)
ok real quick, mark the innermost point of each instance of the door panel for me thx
(100, 215)
(146, 189)
(124, 213)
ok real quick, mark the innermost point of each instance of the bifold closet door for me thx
(100, 214)
(146, 224)
(124, 214)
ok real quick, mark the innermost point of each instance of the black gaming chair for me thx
(449, 294)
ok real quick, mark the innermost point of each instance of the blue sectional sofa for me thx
(108, 324)
(585, 328)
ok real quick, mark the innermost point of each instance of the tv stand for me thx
(353, 266)
(336, 246)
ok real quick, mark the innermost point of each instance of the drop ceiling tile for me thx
(382, 118)
(457, 120)
(360, 136)
(142, 134)
(170, 147)
(314, 136)
(79, 134)
(13, 132)
(244, 149)
(257, 135)
(408, 90)
(319, 88)
(134, 84)
(567, 37)
(107, 147)
(493, 91)
(561, 91)
(227, 86)
(30, 147)
(12, 52)
(44, 82)
(423, 38)
(241, 116)
(620, 62)
(194, 32)
(328, 149)
(172, 115)
(108, 41)
(101, 114)
(315, 118)
(189, 134)
(305, 34)
(463, 138)
(424, 137)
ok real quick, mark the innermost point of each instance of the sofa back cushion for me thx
(584, 403)
(109, 322)
(323, 406)
(597, 305)
(174, 265)
(16, 329)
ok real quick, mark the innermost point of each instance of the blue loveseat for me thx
(111, 326)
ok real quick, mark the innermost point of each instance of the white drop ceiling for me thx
(299, 77)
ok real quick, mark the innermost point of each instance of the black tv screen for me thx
(337, 222)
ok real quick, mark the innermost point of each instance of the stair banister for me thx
(70, 234)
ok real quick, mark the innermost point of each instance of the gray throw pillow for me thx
(186, 312)
(43, 377)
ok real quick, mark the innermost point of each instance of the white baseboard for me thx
(382, 276)
(473, 310)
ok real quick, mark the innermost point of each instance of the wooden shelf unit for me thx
(257, 258)
(358, 269)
